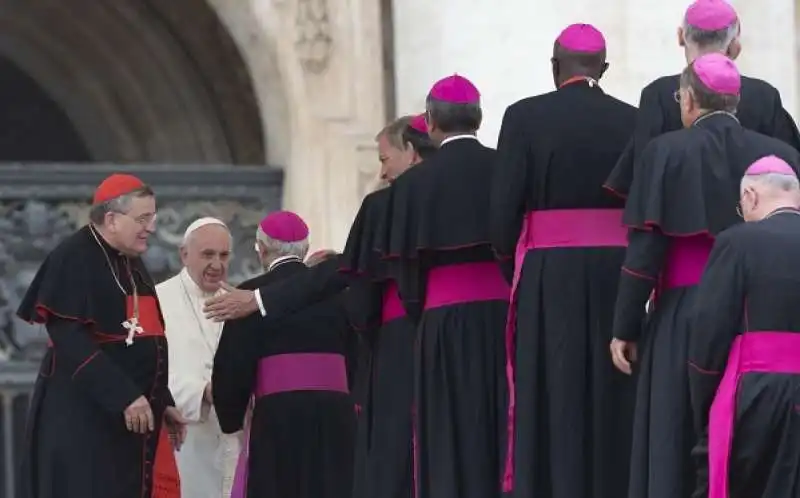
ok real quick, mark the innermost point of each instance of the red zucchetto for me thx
(115, 186)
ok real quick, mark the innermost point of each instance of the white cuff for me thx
(260, 303)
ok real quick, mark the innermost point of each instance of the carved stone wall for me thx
(42, 204)
(318, 73)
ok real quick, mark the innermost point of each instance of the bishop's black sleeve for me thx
(364, 302)
(644, 259)
(233, 376)
(716, 320)
(649, 120)
(507, 208)
(352, 334)
(411, 277)
(784, 127)
(319, 282)
(648, 125)
(91, 370)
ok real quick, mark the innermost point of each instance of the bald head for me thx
(763, 190)
(205, 253)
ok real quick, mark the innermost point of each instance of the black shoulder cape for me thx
(760, 110)
(359, 256)
(658, 113)
(75, 283)
(687, 182)
(440, 204)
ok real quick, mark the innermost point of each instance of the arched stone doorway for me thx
(33, 127)
(140, 81)
(154, 87)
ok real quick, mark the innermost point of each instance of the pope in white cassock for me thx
(207, 460)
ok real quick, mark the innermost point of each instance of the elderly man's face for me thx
(393, 160)
(206, 256)
(132, 229)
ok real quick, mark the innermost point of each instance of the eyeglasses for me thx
(143, 220)
(739, 209)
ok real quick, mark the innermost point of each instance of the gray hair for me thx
(394, 132)
(121, 204)
(718, 40)
(279, 248)
(774, 181)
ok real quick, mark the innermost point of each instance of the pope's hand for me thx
(176, 426)
(235, 303)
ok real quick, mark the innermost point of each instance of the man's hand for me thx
(623, 353)
(139, 416)
(176, 426)
(236, 303)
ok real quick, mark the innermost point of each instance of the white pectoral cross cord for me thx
(133, 328)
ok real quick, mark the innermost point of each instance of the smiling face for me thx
(129, 231)
(206, 256)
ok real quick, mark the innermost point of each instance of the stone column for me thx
(317, 66)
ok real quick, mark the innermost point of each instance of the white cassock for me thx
(207, 460)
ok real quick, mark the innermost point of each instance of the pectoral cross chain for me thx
(133, 328)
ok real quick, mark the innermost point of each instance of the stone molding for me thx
(325, 58)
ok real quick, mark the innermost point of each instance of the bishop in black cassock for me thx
(744, 348)
(708, 27)
(685, 192)
(435, 239)
(571, 410)
(299, 439)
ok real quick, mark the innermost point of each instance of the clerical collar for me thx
(458, 137)
(579, 79)
(715, 113)
(282, 260)
(104, 245)
(783, 210)
(191, 286)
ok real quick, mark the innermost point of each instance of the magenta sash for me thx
(686, 260)
(767, 352)
(392, 308)
(465, 283)
(456, 284)
(284, 373)
(555, 228)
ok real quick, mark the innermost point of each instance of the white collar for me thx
(457, 137)
(191, 286)
(281, 260)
